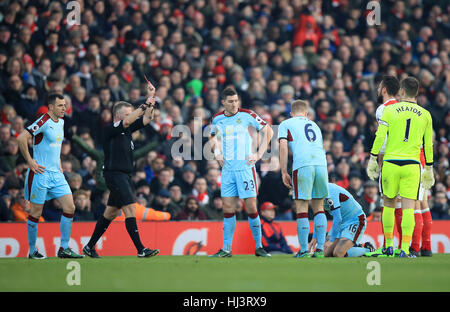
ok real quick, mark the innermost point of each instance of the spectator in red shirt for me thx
(273, 239)
(306, 29)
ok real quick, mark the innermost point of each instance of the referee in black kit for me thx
(118, 166)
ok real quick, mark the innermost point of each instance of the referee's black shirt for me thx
(118, 146)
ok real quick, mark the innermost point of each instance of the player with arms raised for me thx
(234, 153)
(45, 179)
(309, 175)
(119, 164)
(407, 126)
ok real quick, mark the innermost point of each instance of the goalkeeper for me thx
(407, 126)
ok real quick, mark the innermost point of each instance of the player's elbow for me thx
(23, 137)
(269, 131)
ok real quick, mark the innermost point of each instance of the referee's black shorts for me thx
(120, 187)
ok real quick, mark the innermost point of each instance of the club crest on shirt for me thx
(238, 121)
(229, 130)
(330, 203)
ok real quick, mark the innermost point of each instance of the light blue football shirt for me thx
(47, 140)
(233, 133)
(339, 197)
(305, 140)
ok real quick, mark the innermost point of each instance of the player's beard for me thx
(380, 99)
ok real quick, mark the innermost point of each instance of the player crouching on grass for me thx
(349, 224)
(118, 166)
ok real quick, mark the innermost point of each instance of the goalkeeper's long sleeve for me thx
(428, 142)
(380, 137)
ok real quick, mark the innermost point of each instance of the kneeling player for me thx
(349, 224)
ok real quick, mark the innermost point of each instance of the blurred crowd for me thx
(272, 52)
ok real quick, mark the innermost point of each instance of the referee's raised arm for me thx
(117, 170)
(145, 110)
(128, 117)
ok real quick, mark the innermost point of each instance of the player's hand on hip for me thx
(35, 167)
(252, 159)
(428, 177)
(286, 180)
(373, 170)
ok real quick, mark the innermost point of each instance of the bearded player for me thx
(387, 90)
(407, 126)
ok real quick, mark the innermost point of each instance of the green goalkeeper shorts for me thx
(400, 178)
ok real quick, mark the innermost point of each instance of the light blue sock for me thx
(255, 226)
(320, 227)
(302, 233)
(357, 251)
(65, 225)
(32, 229)
(229, 224)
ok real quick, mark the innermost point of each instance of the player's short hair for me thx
(119, 105)
(299, 106)
(228, 91)
(411, 86)
(52, 97)
(391, 84)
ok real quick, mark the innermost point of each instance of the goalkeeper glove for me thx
(373, 171)
(428, 177)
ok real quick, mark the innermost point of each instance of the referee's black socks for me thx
(100, 228)
(131, 225)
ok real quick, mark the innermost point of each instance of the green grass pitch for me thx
(281, 273)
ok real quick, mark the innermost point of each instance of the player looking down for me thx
(232, 145)
(349, 224)
(309, 174)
